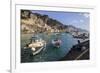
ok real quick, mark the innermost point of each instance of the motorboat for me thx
(36, 44)
(56, 43)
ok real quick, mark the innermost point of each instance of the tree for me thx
(25, 14)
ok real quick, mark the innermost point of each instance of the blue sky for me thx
(77, 19)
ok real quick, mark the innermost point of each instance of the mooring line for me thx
(81, 54)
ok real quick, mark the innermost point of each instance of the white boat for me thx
(56, 43)
(36, 44)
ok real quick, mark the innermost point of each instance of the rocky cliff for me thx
(37, 23)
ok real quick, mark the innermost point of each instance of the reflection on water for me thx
(50, 53)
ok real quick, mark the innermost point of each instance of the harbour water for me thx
(50, 53)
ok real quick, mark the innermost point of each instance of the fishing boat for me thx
(36, 44)
(56, 42)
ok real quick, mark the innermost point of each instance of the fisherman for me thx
(79, 45)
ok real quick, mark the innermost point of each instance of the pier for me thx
(78, 52)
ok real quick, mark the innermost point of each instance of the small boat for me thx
(56, 33)
(56, 43)
(36, 44)
(81, 36)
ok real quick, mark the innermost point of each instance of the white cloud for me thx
(86, 15)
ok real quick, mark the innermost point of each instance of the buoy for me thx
(33, 49)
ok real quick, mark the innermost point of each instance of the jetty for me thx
(78, 52)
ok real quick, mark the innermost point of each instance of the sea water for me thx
(49, 53)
